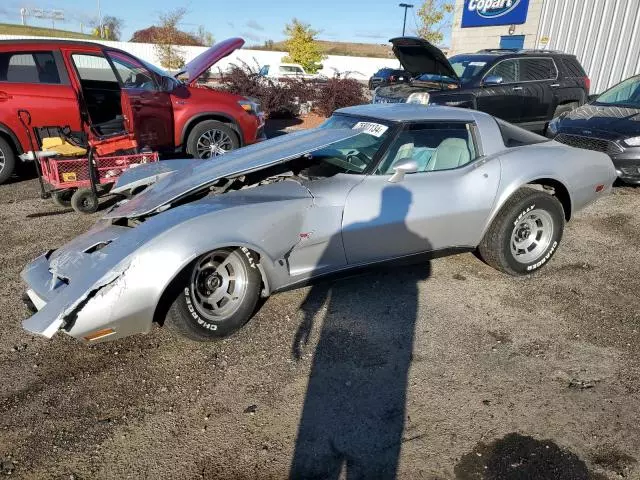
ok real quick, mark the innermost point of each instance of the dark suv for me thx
(387, 76)
(525, 87)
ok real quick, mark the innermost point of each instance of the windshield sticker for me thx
(477, 64)
(371, 128)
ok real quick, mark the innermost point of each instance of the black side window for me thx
(573, 67)
(508, 70)
(533, 69)
(29, 67)
(513, 136)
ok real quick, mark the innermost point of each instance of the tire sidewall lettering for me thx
(544, 259)
(193, 313)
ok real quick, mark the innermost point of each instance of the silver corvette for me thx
(197, 243)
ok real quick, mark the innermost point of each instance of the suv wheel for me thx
(7, 160)
(210, 139)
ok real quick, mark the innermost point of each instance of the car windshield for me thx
(354, 155)
(467, 67)
(625, 94)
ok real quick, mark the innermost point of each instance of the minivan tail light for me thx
(587, 82)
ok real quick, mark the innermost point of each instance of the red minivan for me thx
(77, 84)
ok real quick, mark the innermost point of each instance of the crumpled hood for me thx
(235, 163)
(618, 122)
(149, 173)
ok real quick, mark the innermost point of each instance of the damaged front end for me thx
(75, 288)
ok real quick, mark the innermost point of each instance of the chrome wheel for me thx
(213, 143)
(218, 285)
(3, 160)
(531, 236)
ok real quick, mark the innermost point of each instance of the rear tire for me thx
(218, 294)
(84, 200)
(7, 161)
(211, 138)
(525, 233)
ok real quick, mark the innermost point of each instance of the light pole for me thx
(99, 19)
(406, 6)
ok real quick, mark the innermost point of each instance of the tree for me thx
(204, 37)
(111, 28)
(167, 39)
(433, 15)
(302, 46)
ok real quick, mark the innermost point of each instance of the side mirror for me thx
(166, 84)
(403, 167)
(493, 80)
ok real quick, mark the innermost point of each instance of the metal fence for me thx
(604, 35)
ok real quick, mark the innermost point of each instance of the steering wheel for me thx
(358, 159)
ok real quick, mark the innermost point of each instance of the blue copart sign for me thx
(484, 13)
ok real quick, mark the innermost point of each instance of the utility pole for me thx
(100, 20)
(406, 6)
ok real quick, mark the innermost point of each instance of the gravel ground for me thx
(462, 371)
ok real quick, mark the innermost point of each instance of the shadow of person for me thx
(354, 408)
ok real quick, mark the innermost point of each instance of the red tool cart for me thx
(81, 175)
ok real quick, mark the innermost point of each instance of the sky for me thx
(366, 21)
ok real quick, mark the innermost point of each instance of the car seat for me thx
(451, 153)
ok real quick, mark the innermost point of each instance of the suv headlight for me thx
(632, 142)
(250, 105)
(421, 98)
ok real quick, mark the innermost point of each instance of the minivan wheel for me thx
(219, 293)
(525, 234)
(211, 138)
(7, 160)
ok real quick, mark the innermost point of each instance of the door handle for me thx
(4, 96)
(555, 85)
(517, 89)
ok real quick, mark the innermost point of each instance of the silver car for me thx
(199, 242)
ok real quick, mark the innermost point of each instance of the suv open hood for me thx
(208, 58)
(418, 56)
(203, 173)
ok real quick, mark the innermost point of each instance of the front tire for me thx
(525, 234)
(211, 138)
(219, 293)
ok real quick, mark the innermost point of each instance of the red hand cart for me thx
(78, 182)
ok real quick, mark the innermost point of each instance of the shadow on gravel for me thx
(518, 457)
(354, 409)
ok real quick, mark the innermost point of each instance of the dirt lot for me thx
(507, 376)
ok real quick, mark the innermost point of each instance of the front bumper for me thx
(628, 166)
(88, 286)
(626, 160)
